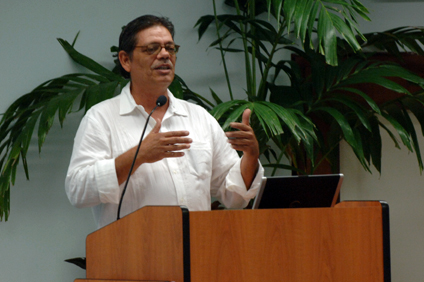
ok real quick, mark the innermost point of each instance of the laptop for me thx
(312, 191)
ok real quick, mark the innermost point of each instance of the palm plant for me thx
(309, 117)
(54, 97)
(290, 116)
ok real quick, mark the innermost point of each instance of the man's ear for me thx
(125, 60)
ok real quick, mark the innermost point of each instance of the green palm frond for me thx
(393, 41)
(329, 19)
(332, 93)
(356, 113)
(54, 98)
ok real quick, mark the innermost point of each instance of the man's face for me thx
(156, 69)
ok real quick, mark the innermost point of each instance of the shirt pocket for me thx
(199, 158)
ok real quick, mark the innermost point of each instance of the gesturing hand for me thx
(155, 147)
(159, 145)
(244, 139)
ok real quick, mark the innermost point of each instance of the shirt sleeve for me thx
(235, 182)
(91, 178)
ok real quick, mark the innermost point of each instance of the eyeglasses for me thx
(155, 48)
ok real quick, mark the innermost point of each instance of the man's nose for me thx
(163, 54)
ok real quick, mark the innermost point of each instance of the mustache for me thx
(161, 63)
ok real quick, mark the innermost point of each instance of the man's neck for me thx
(147, 98)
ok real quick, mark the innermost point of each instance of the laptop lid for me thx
(310, 191)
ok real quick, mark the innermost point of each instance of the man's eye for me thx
(151, 49)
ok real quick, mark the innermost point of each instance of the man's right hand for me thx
(155, 147)
(159, 145)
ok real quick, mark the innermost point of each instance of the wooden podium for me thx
(348, 243)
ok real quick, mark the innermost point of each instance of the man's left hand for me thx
(244, 138)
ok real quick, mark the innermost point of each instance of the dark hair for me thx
(128, 37)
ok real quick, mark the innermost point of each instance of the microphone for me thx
(159, 103)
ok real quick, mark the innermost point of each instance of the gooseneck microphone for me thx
(159, 103)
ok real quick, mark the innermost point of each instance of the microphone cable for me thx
(159, 103)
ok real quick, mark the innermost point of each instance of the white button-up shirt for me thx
(209, 168)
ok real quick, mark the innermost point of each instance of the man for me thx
(185, 158)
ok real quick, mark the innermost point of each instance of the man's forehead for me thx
(157, 33)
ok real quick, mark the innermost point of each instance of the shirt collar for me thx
(128, 105)
(176, 106)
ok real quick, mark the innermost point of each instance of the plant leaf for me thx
(88, 63)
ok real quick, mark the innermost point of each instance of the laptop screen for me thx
(310, 191)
